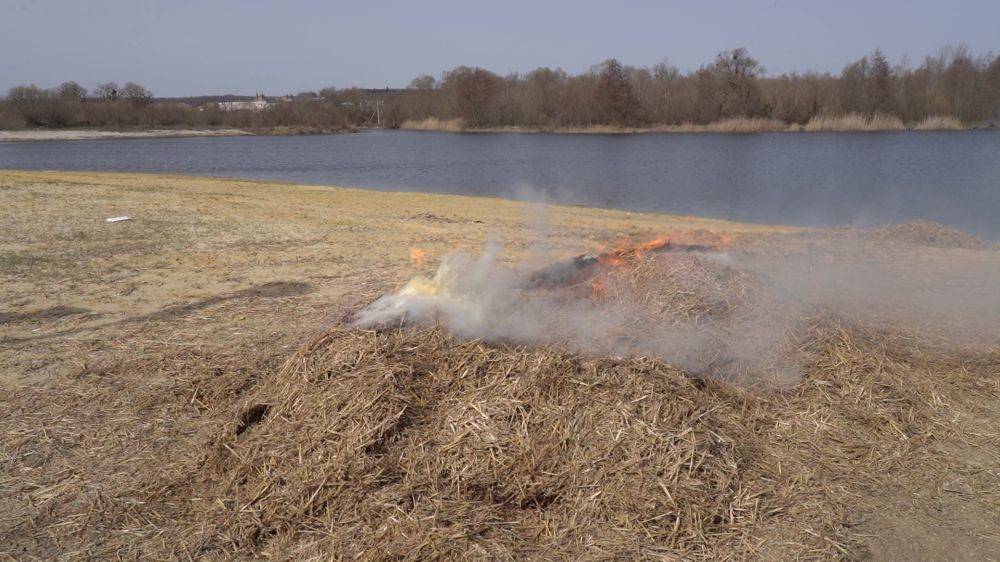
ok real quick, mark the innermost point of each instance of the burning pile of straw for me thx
(416, 442)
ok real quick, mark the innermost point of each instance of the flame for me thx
(422, 286)
(429, 286)
(418, 257)
(624, 252)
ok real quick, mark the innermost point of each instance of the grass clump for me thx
(746, 125)
(434, 124)
(854, 122)
(939, 123)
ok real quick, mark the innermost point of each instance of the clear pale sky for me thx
(184, 47)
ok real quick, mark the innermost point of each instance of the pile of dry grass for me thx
(434, 124)
(926, 233)
(406, 443)
(854, 122)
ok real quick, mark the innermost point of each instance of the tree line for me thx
(132, 105)
(954, 84)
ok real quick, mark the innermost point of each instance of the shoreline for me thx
(836, 124)
(50, 135)
(468, 207)
(42, 135)
(671, 130)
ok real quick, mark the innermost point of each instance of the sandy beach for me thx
(30, 135)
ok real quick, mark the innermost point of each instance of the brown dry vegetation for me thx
(182, 385)
(67, 106)
(732, 125)
(732, 93)
(938, 123)
(434, 124)
(612, 97)
(854, 122)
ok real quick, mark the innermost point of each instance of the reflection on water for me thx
(810, 179)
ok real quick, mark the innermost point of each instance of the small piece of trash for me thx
(119, 219)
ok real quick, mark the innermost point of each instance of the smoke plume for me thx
(733, 314)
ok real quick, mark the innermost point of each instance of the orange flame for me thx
(624, 252)
(418, 257)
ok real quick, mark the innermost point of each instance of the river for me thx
(812, 179)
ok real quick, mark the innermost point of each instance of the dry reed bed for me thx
(732, 125)
(854, 122)
(405, 443)
(939, 123)
(850, 122)
(434, 124)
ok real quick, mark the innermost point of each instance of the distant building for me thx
(258, 103)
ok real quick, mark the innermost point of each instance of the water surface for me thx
(817, 179)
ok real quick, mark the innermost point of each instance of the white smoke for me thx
(481, 298)
(471, 297)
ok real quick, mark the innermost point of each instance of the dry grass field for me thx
(184, 385)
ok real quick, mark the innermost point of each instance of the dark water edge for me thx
(808, 179)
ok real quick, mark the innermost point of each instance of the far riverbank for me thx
(34, 135)
(848, 123)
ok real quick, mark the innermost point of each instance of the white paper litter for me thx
(119, 219)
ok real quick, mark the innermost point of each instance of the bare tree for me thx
(24, 94)
(107, 91)
(992, 80)
(954, 82)
(71, 91)
(543, 88)
(471, 93)
(615, 96)
(882, 92)
(868, 86)
(423, 82)
(136, 94)
(738, 73)
(38, 107)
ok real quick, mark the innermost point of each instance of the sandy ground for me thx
(28, 135)
(105, 327)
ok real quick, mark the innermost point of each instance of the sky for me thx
(184, 47)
